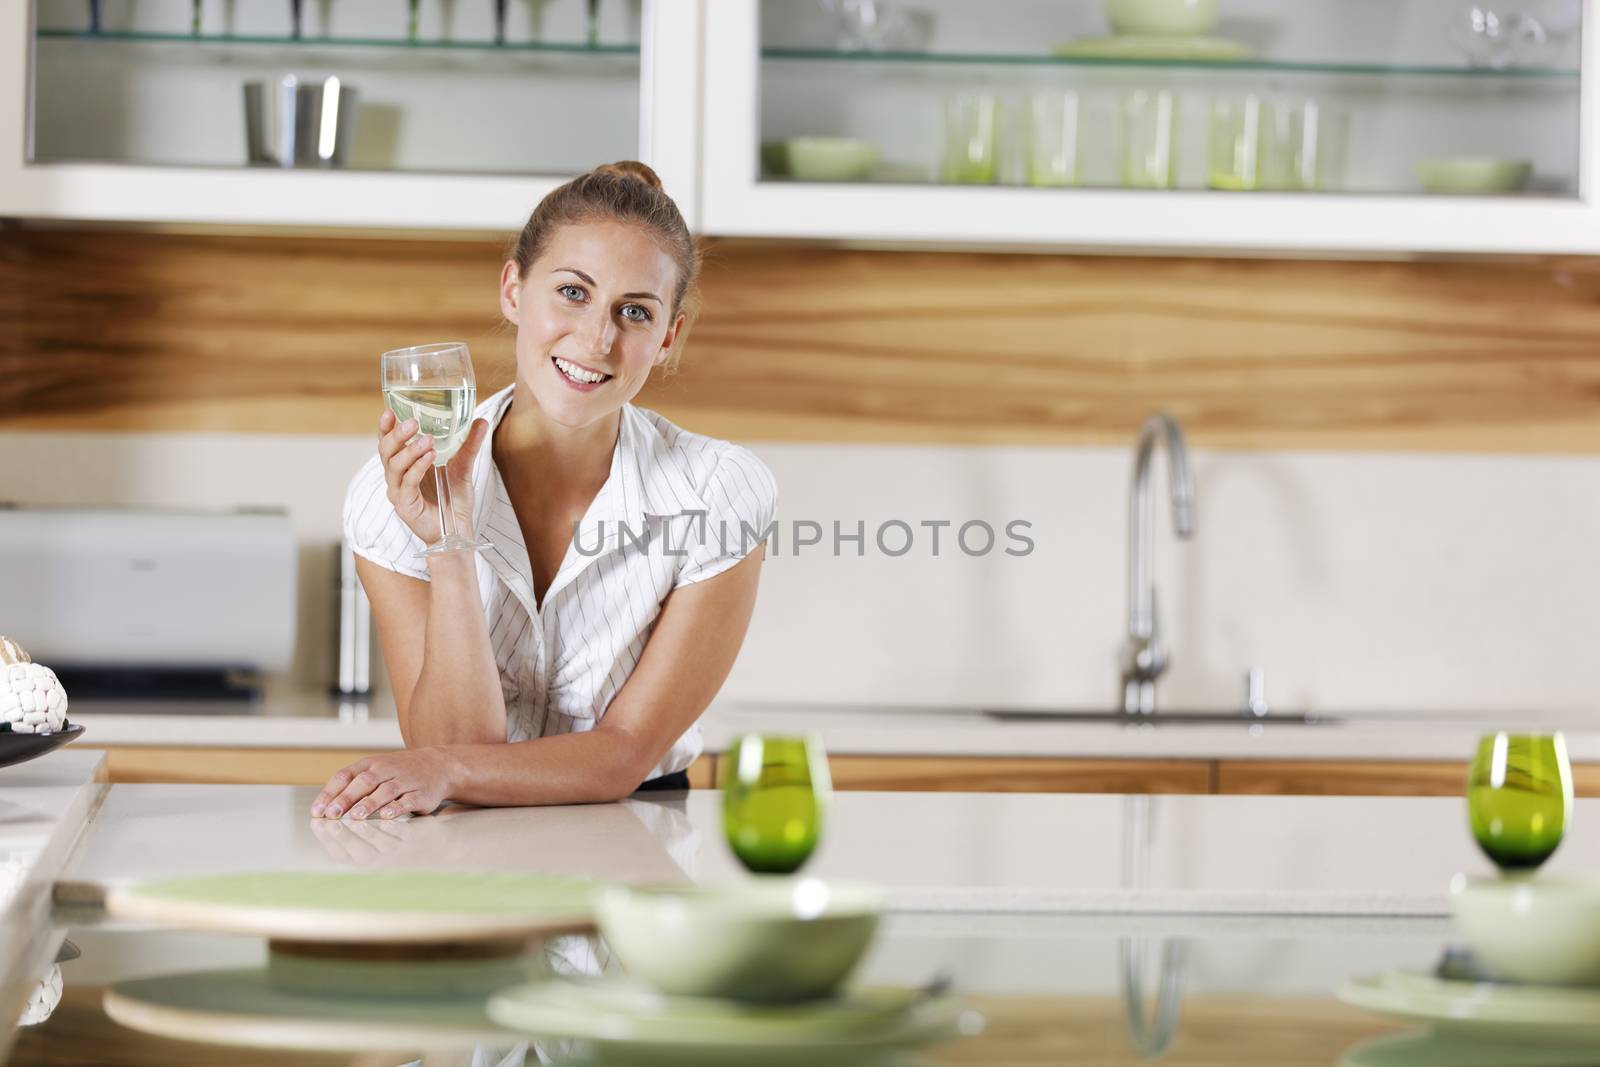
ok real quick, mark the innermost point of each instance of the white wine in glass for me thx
(434, 384)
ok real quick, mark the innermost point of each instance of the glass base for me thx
(454, 543)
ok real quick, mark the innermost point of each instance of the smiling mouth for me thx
(578, 375)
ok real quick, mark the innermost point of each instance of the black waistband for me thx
(675, 780)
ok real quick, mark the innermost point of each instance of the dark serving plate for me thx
(19, 748)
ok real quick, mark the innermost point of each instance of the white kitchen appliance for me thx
(143, 603)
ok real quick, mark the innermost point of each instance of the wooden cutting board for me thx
(391, 906)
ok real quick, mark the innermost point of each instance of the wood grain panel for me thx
(994, 775)
(1212, 1031)
(118, 330)
(262, 766)
(1365, 778)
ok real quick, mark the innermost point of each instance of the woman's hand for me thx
(407, 473)
(414, 780)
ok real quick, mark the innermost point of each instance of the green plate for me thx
(249, 1008)
(632, 1024)
(1140, 46)
(1552, 1015)
(1424, 1048)
(390, 906)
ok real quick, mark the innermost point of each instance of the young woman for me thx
(572, 660)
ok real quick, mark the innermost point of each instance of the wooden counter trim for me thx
(1370, 778)
(1006, 775)
(263, 766)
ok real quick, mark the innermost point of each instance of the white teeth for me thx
(577, 373)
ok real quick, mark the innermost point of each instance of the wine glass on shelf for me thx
(1519, 798)
(775, 796)
(434, 384)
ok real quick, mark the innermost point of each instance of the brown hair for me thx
(626, 192)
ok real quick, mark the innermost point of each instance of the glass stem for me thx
(447, 518)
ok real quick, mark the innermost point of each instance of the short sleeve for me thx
(374, 531)
(741, 511)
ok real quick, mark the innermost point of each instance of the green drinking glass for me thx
(774, 796)
(1519, 798)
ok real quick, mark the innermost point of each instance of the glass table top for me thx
(1031, 988)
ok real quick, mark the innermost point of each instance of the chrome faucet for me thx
(1143, 655)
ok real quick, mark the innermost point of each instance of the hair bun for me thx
(631, 168)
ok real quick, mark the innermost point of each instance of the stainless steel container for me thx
(299, 122)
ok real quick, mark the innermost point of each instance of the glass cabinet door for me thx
(487, 87)
(1394, 98)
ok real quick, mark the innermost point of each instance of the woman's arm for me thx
(436, 644)
(690, 652)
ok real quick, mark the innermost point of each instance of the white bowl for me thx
(1162, 17)
(771, 939)
(1539, 930)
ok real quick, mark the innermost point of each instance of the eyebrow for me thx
(591, 281)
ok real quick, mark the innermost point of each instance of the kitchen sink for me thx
(1173, 717)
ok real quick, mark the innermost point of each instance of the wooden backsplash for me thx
(131, 331)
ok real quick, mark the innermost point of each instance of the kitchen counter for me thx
(1005, 853)
(316, 722)
(45, 806)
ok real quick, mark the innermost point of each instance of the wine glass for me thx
(773, 800)
(434, 385)
(1519, 798)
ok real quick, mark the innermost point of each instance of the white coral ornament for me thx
(32, 701)
(11, 652)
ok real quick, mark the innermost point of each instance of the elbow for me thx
(627, 773)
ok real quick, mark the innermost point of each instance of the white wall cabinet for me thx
(143, 120)
(1387, 75)
(1201, 149)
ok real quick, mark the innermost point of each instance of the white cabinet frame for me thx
(735, 203)
(668, 138)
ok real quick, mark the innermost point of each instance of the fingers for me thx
(412, 803)
(385, 792)
(412, 478)
(335, 786)
(393, 436)
(404, 458)
(357, 789)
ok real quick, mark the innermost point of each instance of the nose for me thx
(602, 334)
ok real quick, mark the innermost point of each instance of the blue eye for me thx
(568, 291)
(643, 316)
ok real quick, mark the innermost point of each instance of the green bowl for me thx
(772, 940)
(1544, 931)
(820, 159)
(1473, 174)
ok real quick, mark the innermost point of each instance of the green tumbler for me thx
(1519, 798)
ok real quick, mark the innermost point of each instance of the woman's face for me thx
(595, 303)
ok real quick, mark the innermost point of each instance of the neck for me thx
(562, 460)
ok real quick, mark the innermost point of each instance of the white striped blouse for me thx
(677, 508)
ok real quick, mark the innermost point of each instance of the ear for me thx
(670, 339)
(511, 292)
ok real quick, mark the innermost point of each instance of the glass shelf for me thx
(325, 43)
(1020, 59)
